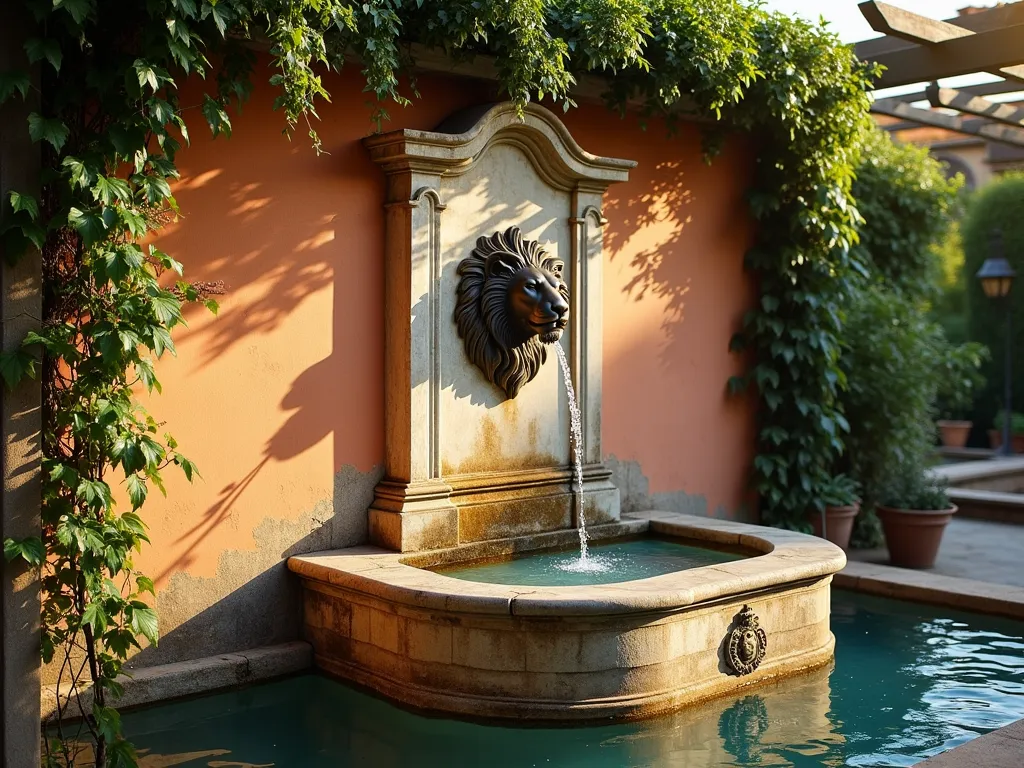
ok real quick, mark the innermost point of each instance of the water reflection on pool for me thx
(909, 681)
(607, 563)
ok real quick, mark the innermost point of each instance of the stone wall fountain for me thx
(494, 263)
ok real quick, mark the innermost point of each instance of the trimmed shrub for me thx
(1000, 205)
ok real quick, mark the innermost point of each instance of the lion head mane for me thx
(511, 301)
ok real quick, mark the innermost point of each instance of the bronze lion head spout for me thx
(512, 301)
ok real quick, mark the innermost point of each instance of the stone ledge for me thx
(196, 676)
(1000, 749)
(934, 589)
(781, 557)
(970, 472)
(996, 506)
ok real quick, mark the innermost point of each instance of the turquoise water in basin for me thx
(607, 564)
(909, 682)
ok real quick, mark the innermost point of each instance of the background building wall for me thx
(279, 399)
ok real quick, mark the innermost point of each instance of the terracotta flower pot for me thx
(838, 524)
(913, 535)
(995, 439)
(954, 434)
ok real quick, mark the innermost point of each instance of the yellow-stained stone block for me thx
(360, 622)
(384, 630)
(489, 649)
(428, 640)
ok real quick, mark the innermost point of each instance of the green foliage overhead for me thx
(908, 206)
(109, 122)
(998, 205)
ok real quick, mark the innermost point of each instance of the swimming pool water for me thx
(609, 563)
(909, 681)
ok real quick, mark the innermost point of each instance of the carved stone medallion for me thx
(511, 301)
(747, 643)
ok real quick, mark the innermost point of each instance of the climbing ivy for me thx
(110, 121)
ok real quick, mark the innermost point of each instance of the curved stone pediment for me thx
(463, 139)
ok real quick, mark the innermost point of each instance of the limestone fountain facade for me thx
(478, 465)
(463, 462)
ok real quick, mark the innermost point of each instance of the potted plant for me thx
(841, 505)
(995, 435)
(914, 511)
(959, 379)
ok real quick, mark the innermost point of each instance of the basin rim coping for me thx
(787, 558)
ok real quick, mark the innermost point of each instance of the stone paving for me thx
(973, 549)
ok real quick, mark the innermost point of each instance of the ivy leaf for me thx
(133, 220)
(78, 9)
(62, 473)
(95, 493)
(166, 261)
(164, 166)
(162, 341)
(107, 720)
(186, 466)
(15, 80)
(216, 117)
(152, 451)
(146, 74)
(187, 7)
(126, 450)
(26, 203)
(30, 550)
(144, 621)
(89, 224)
(137, 491)
(48, 49)
(144, 368)
(122, 754)
(119, 264)
(120, 641)
(166, 307)
(155, 188)
(81, 174)
(16, 365)
(126, 139)
(51, 130)
(133, 523)
(221, 16)
(109, 189)
(95, 617)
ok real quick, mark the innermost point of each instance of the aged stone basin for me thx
(624, 650)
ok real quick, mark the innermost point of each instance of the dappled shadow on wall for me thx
(275, 239)
(657, 220)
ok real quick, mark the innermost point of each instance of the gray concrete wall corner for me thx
(20, 310)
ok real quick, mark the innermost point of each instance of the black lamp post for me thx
(996, 277)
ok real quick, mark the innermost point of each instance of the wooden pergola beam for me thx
(950, 98)
(903, 111)
(912, 27)
(902, 125)
(939, 48)
(984, 21)
(982, 89)
(996, 50)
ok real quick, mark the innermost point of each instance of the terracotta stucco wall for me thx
(279, 398)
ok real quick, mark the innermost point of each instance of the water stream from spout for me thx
(576, 427)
